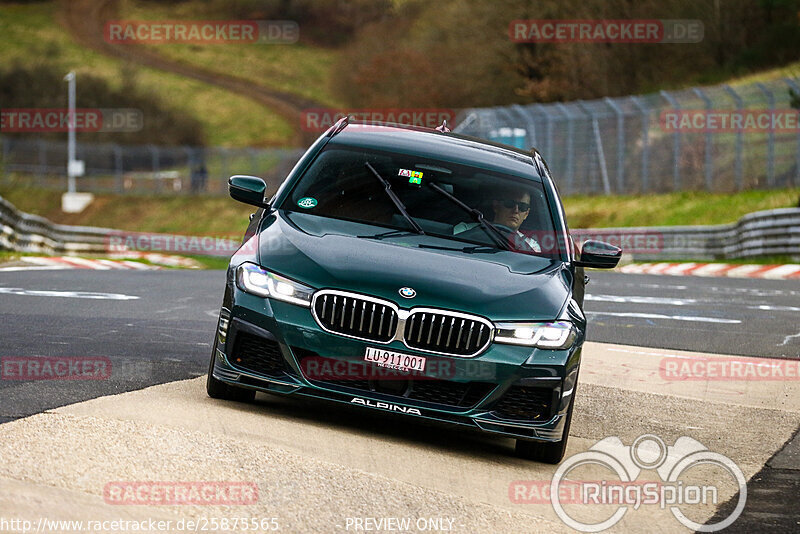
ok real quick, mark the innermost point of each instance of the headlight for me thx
(554, 335)
(253, 279)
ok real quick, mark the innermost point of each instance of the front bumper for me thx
(277, 347)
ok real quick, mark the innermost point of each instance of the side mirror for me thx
(248, 189)
(599, 255)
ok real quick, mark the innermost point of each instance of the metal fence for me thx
(128, 169)
(624, 146)
(605, 146)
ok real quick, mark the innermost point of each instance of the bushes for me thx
(458, 52)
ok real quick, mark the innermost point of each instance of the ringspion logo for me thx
(622, 492)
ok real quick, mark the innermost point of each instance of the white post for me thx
(70, 79)
(72, 202)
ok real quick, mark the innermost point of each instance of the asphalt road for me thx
(156, 326)
(747, 317)
(162, 335)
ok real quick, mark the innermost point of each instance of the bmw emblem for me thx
(407, 292)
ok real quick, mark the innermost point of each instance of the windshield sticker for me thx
(307, 202)
(414, 177)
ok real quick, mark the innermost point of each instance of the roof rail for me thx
(339, 125)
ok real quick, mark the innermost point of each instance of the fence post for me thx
(471, 117)
(620, 144)
(511, 123)
(639, 103)
(601, 157)
(190, 166)
(6, 163)
(155, 164)
(570, 147)
(253, 161)
(709, 162)
(740, 139)
(793, 85)
(770, 137)
(526, 112)
(41, 169)
(676, 146)
(118, 170)
(224, 157)
(548, 128)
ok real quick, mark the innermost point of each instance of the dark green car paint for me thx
(498, 285)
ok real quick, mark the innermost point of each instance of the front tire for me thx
(549, 453)
(218, 389)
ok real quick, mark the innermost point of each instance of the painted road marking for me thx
(35, 268)
(672, 317)
(66, 294)
(634, 299)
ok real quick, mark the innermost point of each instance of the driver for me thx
(511, 206)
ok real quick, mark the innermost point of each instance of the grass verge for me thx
(30, 33)
(296, 68)
(220, 216)
(186, 215)
(673, 209)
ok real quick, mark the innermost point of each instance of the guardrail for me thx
(763, 233)
(23, 232)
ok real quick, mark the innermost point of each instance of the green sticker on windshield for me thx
(414, 177)
(307, 202)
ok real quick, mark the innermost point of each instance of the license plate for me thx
(395, 360)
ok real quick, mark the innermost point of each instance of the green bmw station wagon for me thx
(413, 271)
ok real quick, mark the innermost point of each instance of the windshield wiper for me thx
(391, 233)
(397, 202)
(496, 235)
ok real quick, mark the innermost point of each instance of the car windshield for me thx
(469, 205)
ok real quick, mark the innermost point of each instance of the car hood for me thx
(323, 253)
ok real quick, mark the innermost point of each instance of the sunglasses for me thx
(509, 204)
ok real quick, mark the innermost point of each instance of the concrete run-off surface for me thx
(319, 467)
